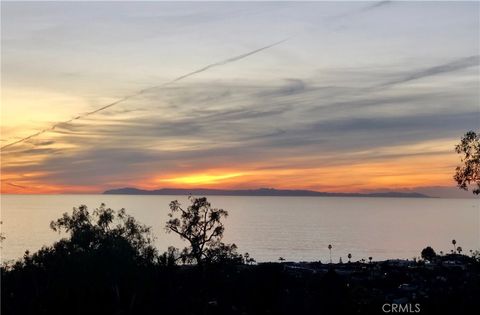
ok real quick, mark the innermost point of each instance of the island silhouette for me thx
(256, 192)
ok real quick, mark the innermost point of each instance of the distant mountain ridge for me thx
(256, 192)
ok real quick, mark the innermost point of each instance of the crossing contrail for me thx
(125, 98)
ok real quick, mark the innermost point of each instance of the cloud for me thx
(128, 97)
(17, 186)
(325, 100)
(42, 143)
(377, 5)
(456, 65)
(204, 125)
(361, 10)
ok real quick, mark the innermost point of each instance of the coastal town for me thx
(421, 285)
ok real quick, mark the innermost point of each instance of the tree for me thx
(248, 260)
(2, 237)
(469, 172)
(201, 226)
(454, 242)
(476, 255)
(349, 257)
(170, 257)
(106, 232)
(330, 250)
(459, 250)
(104, 259)
(428, 253)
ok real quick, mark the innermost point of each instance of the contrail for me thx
(221, 63)
(182, 77)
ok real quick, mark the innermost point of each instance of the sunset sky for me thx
(361, 96)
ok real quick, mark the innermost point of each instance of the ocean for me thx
(295, 228)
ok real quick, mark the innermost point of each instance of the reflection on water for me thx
(296, 228)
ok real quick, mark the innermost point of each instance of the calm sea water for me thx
(296, 228)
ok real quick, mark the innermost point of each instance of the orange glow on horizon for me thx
(33, 183)
(367, 174)
(18, 189)
(202, 179)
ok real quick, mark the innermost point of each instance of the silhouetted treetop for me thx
(2, 237)
(201, 226)
(106, 229)
(469, 172)
(428, 253)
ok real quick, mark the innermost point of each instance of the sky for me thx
(327, 96)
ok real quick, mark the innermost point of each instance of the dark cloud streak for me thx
(456, 65)
(377, 5)
(17, 186)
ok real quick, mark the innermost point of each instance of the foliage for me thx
(105, 230)
(469, 172)
(98, 242)
(428, 253)
(201, 226)
(221, 253)
(248, 260)
(170, 257)
(476, 255)
(2, 237)
(103, 257)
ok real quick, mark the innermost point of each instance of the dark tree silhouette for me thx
(349, 257)
(428, 253)
(330, 250)
(454, 243)
(248, 260)
(2, 237)
(170, 257)
(99, 264)
(201, 226)
(105, 229)
(469, 172)
(476, 255)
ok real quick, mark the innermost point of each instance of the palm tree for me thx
(459, 249)
(330, 249)
(454, 242)
(441, 253)
(281, 259)
(370, 259)
(349, 257)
